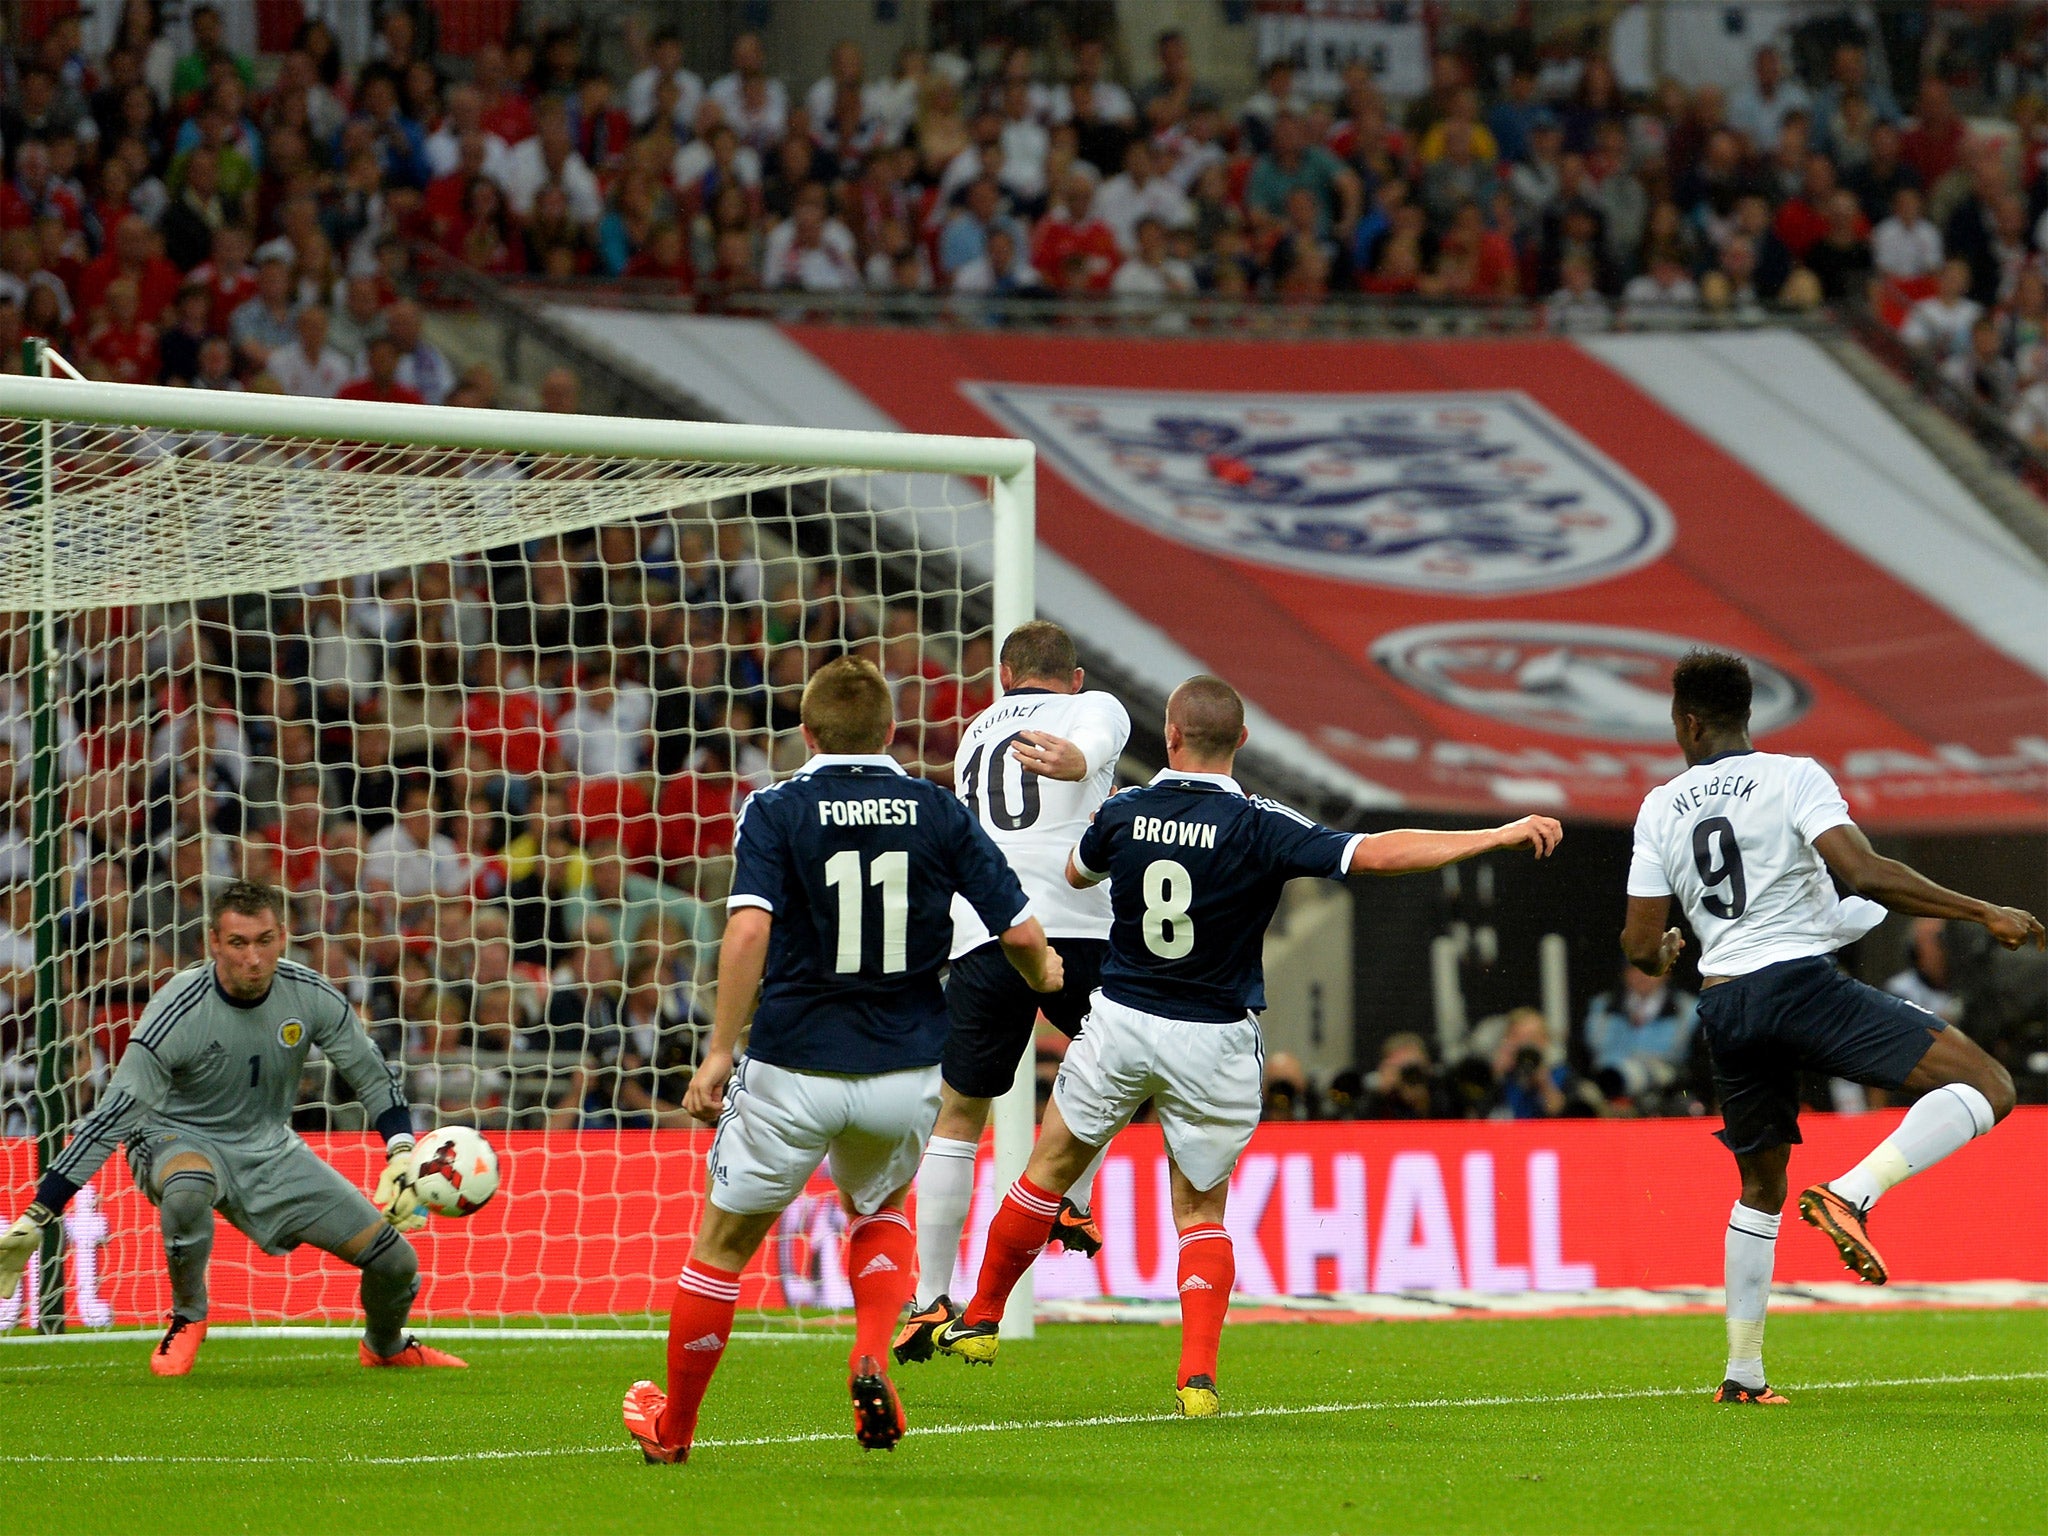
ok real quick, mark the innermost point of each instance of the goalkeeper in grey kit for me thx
(203, 1098)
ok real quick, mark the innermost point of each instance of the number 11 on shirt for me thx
(891, 871)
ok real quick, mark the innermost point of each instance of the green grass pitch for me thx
(1915, 1422)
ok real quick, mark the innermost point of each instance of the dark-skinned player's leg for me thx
(1962, 1092)
(1751, 1252)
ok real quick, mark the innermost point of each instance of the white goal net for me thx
(483, 693)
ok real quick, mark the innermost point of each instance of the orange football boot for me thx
(643, 1408)
(179, 1347)
(1732, 1391)
(1821, 1207)
(411, 1353)
(878, 1421)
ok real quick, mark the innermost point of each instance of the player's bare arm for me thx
(1647, 942)
(1024, 946)
(1413, 852)
(1050, 756)
(742, 956)
(1868, 873)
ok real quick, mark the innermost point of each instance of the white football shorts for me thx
(778, 1125)
(1207, 1080)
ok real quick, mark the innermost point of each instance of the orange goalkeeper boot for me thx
(411, 1353)
(178, 1348)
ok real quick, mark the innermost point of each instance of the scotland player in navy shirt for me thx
(840, 920)
(1196, 869)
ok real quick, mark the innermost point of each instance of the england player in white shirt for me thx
(1746, 841)
(1033, 767)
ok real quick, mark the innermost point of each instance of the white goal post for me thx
(139, 525)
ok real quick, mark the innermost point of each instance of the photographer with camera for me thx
(1639, 1039)
(1405, 1085)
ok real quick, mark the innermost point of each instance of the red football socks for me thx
(1208, 1269)
(699, 1323)
(881, 1261)
(1021, 1228)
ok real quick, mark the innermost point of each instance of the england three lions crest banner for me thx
(1463, 570)
(1463, 493)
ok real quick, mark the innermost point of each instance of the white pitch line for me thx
(1017, 1426)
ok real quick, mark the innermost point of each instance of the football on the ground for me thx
(455, 1171)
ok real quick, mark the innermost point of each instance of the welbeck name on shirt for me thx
(867, 813)
(1181, 834)
(1731, 786)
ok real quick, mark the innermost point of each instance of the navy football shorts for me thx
(994, 1012)
(1766, 1028)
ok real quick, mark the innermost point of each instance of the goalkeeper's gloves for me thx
(18, 1246)
(396, 1197)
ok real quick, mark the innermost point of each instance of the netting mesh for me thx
(488, 720)
(138, 515)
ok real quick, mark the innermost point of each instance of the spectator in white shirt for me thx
(1278, 94)
(309, 366)
(810, 250)
(665, 63)
(1191, 146)
(1024, 144)
(1906, 244)
(2028, 420)
(409, 858)
(845, 71)
(1760, 108)
(1577, 307)
(1666, 292)
(603, 734)
(1152, 273)
(548, 158)
(422, 366)
(895, 101)
(718, 148)
(1136, 193)
(1981, 371)
(753, 101)
(1940, 326)
(1112, 102)
(464, 115)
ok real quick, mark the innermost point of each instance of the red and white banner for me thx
(598, 1225)
(1464, 570)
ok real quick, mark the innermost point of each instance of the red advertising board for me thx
(1464, 570)
(599, 1224)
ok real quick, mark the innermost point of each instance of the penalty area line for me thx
(1020, 1426)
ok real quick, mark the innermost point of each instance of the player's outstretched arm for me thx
(1904, 889)
(1413, 852)
(742, 957)
(1025, 947)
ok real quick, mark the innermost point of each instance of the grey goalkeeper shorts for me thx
(277, 1193)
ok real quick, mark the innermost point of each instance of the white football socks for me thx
(1751, 1252)
(1083, 1188)
(945, 1192)
(1943, 1120)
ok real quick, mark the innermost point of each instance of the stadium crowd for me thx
(506, 843)
(173, 209)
